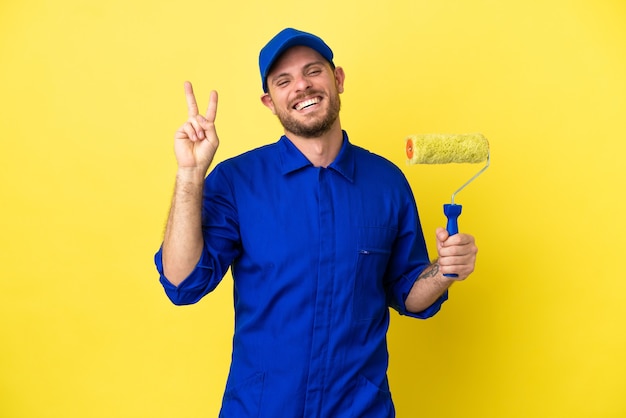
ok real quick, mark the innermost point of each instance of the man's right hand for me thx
(196, 142)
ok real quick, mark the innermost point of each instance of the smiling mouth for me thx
(307, 103)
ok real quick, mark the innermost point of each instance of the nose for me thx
(302, 83)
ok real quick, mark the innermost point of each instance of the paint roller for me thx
(445, 149)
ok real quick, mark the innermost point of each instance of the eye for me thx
(314, 71)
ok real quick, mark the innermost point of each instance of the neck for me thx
(320, 151)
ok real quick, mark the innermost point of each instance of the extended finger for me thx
(192, 106)
(211, 111)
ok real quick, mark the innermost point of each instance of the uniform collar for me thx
(292, 159)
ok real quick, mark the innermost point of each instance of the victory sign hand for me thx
(196, 142)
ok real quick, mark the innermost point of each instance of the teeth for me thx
(306, 103)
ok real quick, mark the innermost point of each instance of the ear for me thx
(266, 99)
(340, 77)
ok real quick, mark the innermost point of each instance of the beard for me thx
(316, 126)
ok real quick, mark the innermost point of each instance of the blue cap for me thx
(284, 40)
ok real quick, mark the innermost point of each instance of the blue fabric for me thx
(318, 255)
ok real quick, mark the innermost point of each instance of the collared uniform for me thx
(318, 255)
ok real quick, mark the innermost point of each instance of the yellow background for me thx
(92, 92)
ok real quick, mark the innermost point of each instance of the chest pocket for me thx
(374, 246)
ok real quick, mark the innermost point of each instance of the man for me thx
(322, 238)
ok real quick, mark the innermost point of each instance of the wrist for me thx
(191, 175)
(435, 275)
